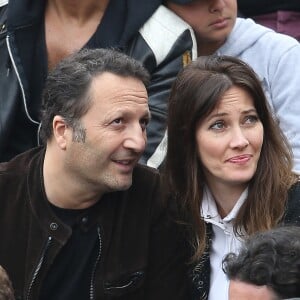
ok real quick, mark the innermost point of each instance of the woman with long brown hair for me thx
(228, 166)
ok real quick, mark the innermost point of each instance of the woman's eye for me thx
(217, 125)
(251, 119)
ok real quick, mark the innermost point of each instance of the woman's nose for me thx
(239, 140)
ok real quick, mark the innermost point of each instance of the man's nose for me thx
(136, 139)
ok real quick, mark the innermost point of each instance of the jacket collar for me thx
(209, 209)
(22, 13)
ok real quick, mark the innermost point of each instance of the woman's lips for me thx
(240, 159)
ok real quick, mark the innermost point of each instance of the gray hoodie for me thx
(276, 59)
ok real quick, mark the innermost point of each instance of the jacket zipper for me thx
(92, 287)
(38, 267)
(133, 278)
(20, 82)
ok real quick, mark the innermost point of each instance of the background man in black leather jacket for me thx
(35, 35)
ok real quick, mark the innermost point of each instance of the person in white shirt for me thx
(228, 168)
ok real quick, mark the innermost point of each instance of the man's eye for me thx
(117, 121)
(144, 123)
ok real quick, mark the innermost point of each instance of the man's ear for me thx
(60, 131)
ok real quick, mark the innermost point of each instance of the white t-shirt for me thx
(224, 241)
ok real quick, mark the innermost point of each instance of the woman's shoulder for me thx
(292, 215)
(294, 191)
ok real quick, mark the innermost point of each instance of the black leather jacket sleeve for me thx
(162, 77)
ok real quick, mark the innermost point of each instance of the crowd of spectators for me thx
(197, 39)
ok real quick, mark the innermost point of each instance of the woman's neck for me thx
(226, 196)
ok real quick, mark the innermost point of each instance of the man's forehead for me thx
(109, 84)
(239, 290)
(110, 75)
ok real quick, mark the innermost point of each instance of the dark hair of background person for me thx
(6, 289)
(271, 258)
(195, 93)
(66, 91)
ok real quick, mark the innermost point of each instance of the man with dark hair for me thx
(267, 267)
(79, 218)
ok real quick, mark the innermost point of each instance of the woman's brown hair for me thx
(195, 93)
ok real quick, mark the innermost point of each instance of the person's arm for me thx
(165, 44)
(285, 91)
(292, 213)
(162, 79)
(167, 272)
(161, 246)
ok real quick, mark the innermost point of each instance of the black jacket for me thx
(149, 33)
(141, 256)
